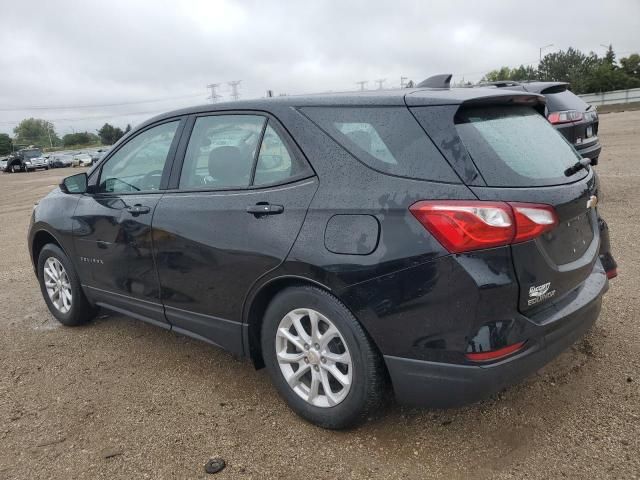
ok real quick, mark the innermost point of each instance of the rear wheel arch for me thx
(256, 306)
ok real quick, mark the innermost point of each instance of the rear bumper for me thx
(591, 151)
(440, 385)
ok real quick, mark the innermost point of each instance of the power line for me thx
(97, 105)
(94, 117)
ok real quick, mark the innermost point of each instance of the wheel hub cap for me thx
(313, 357)
(57, 284)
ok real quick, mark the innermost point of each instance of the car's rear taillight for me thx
(565, 116)
(532, 220)
(465, 225)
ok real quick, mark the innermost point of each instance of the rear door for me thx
(523, 159)
(237, 203)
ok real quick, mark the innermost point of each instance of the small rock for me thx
(215, 465)
(446, 422)
(110, 453)
(629, 379)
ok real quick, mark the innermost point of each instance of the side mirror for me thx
(75, 184)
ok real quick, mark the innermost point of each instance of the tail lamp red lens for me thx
(495, 354)
(465, 225)
(565, 116)
(613, 273)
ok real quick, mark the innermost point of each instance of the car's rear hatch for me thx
(506, 151)
(575, 119)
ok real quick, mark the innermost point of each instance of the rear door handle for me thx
(137, 209)
(264, 208)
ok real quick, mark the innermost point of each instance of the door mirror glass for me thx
(75, 184)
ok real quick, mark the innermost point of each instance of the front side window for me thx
(515, 146)
(137, 166)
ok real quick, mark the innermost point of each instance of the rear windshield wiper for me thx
(576, 167)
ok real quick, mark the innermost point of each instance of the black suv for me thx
(26, 159)
(437, 243)
(572, 116)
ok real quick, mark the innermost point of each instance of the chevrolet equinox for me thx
(439, 244)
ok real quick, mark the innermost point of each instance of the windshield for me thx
(516, 147)
(31, 153)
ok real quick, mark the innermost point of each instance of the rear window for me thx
(557, 102)
(516, 147)
(387, 139)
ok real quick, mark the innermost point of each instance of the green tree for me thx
(110, 134)
(571, 66)
(35, 131)
(631, 65)
(5, 144)
(80, 138)
(127, 128)
(519, 74)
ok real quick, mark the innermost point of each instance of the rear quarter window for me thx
(514, 146)
(387, 139)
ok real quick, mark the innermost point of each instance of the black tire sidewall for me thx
(79, 311)
(351, 409)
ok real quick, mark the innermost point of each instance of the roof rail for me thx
(442, 80)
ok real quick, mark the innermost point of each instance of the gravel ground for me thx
(121, 399)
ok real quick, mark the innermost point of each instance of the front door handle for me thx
(264, 208)
(137, 209)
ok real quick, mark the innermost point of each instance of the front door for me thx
(112, 225)
(239, 204)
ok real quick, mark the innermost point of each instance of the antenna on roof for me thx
(442, 80)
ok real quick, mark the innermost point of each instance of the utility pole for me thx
(402, 79)
(49, 132)
(234, 88)
(542, 48)
(362, 83)
(380, 81)
(214, 96)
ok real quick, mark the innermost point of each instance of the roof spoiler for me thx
(442, 80)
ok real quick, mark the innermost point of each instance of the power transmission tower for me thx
(402, 79)
(214, 96)
(234, 88)
(362, 83)
(380, 81)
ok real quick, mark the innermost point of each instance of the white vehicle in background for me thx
(81, 160)
(3, 164)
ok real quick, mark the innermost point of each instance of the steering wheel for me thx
(148, 181)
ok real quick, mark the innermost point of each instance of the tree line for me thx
(587, 73)
(36, 131)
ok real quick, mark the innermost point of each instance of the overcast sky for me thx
(119, 54)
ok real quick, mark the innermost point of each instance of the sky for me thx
(82, 63)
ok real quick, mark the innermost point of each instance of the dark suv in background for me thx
(569, 114)
(437, 243)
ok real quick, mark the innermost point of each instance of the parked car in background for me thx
(60, 160)
(3, 163)
(97, 155)
(568, 113)
(82, 160)
(469, 256)
(25, 160)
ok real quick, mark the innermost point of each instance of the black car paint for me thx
(194, 263)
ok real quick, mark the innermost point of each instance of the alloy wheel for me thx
(313, 357)
(57, 283)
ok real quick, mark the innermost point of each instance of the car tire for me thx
(79, 309)
(14, 169)
(368, 377)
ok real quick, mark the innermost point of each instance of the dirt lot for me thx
(121, 399)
